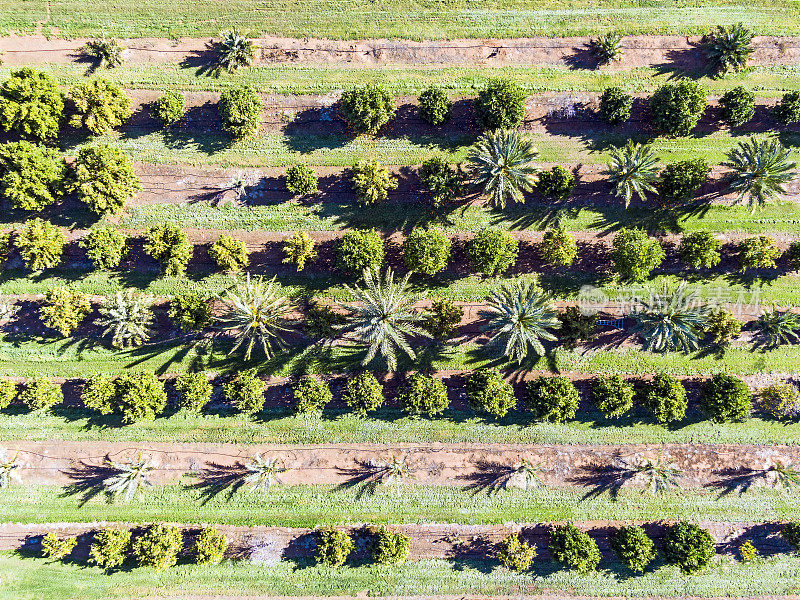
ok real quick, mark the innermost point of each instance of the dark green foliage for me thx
(229, 253)
(788, 110)
(55, 548)
(516, 555)
(574, 548)
(106, 246)
(322, 321)
(722, 327)
(41, 244)
(372, 182)
(613, 396)
(158, 546)
(310, 394)
(168, 244)
(557, 183)
(360, 249)
(246, 391)
(726, 398)
(700, 249)
(688, 546)
(489, 393)
(31, 175)
(615, 106)
(367, 108)
(363, 393)
(778, 327)
(209, 547)
(426, 251)
(633, 547)
(31, 104)
(737, 106)
(41, 393)
(559, 247)
(301, 180)
(635, 254)
(8, 391)
(234, 50)
(110, 548)
(792, 256)
(553, 399)
(388, 548)
(193, 391)
(576, 327)
(191, 311)
(606, 48)
(492, 251)
(443, 318)
(170, 108)
(139, 396)
(780, 400)
(727, 48)
(500, 105)
(100, 105)
(791, 533)
(333, 547)
(440, 180)
(424, 395)
(675, 108)
(105, 52)
(63, 309)
(665, 397)
(679, 181)
(758, 252)
(434, 106)
(240, 109)
(103, 178)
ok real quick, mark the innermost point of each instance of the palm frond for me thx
(783, 476)
(656, 475)
(671, 320)
(606, 48)
(262, 473)
(760, 170)
(632, 170)
(127, 318)
(8, 468)
(728, 48)
(234, 51)
(128, 477)
(501, 163)
(778, 327)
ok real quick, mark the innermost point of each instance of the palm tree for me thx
(385, 317)
(778, 327)
(632, 170)
(396, 472)
(107, 52)
(501, 165)
(657, 476)
(128, 477)
(671, 320)
(727, 48)
(783, 476)
(262, 473)
(760, 168)
(256, 314)
(606, 48)
(127, 318)
(234, 51)
(519, 315)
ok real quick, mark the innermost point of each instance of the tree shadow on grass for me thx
(87, 481)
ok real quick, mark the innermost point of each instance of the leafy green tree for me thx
(158, 546)
(169, 245)
(700, 249)
(8, 392)
(671, 320)
(333, 547)
(559, 247)
(574, 548)
(760, 168)
(665, 397)
(40, 393)
(635, 254)
(31, 104)
(246, 391)
(209, 547)
(110, 548)
(169, 108)
(688, 546)
(311, 394)
(106, 246)
(613, 396)
(57, 549)
(360, 250)
(230, 254)
(553, 399)
(501, 104)
(363, 393)
(516, 555)
(301, 180)
(492, 251)
(103, 178)
(240, 109)
(193, 391)
(780, 400)
(441, 181)
(679, 181)
(191, 311)
(722, 327)
(788, 109)
(372, 182)
(576, 326)
(758, 252)
(502, 166)
(367, 108)
(675, 108)
(727, 48)
(556, 183)
(426, 251)
(615, 105)
(234, 50)
(100, 105)
(737, 106)
(63, 309)
(31, 175)
(489, 393)
(127, 318)
(389, 548)
(139, 396)
(299, 250)
(791, 533)
(443, 318)
(99, 393)
(633, 547)
(41, 244)
(726, 398)
(423, 395)
(434, 106)
(632, 170)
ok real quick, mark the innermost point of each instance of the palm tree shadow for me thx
(216, 479)
(737, 480)
(489, 477)
(608, 478)
(87, 480)
(367, 476)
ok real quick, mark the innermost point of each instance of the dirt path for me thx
(671, 52)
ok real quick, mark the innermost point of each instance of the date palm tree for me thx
(501, 163)
(606, 48)
(760, 170)
(235, 50)
(262, 473)
(632, 170)
(728, 48)
(255, 313)
(778, 327)
(671, 320)
(128, 476)
(657, 475)
(127, 318)
(385, 317)
(519, 316)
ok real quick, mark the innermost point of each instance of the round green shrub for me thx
(633, 547)
(229, 253)
(41, 244)
(360, 249)
(57, 549)
(737, 106)
(170, 108)
(363, 393)
(500, 105)
(100, 105)
(440, 180)
(758, 252)
(41, 393)
(443, 318)
(388, 548)
(103, 178)
(615, 106)
(8, 391)
(574, 548)
(791, 533)
(780, 400)
(688, 546)
(792, 256)
(99, 393)
(333, 547)
(31, 104)
(193, 391)
(246, 391)
(426, 251)
(434, 106)
(788, 110)
(557, 183)
(32, 176)
(576, 327)
(516, 555)
(367, 108)
(63, 309)
(492, 251)
(240, 109)
(140, 396)
(372, 182)
(424, 395)
(553, 399)
(209, 547)
(310, 394)
(726, 398)
(110, 548)
(299, 250)
(613, 396)
(489, 393)
(678, 181)
(158, 546)
(635, 254)
(665, 397)
(675, 108)
(301, 180)
(559, 247)
(169, 245)
(191, 311)
(106, 246)
(700, 249)
(722, 327)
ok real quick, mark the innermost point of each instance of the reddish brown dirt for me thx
(671, 52)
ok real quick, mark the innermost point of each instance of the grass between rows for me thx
(414, 19)
(312, 506)
(32, 579)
